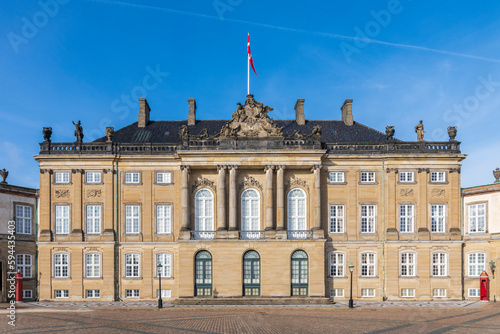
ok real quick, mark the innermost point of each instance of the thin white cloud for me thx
(325, 34)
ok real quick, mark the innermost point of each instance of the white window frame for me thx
(132, 293)
(26, 293)
(250, 210)
(60, 267)
(132, 178)
(337, 218)
(166, 260)
(23, 266)
(165, 293)
(438, 177)
(337, 292)
(62, 219)
(368, 265)
(336, 177)
(408, 264)
(163, 178)
(93, 265)
(132, 219)
(94, 218)
(439, 292)
(368, 177)
(61, 177)
(476, 292)
(475, 218)
(368, 218)
(132, 262)
(407, 293)
(474, 266)
(438, 221)
(92, 293)
(406, 177)
(24, 214)
(296, 220)
(407, 218)
(164, 218)
(61, 293)
(204, 210)
(439, 268)
(368, 293)
(93, 177)
(337, 264)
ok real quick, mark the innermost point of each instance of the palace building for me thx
(250, 207)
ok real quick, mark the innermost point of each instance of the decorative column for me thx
(47, 228)
(280, 199)
(233, 226)
(76, 228)
(221, 199)
(317, 197)
(269, 197)
(185, 198)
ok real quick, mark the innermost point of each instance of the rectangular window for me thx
(165, 259)
(406, 293)
(61, 177)
(477, 263)
(165, 293)
(406, 177)
(477, 218)
(132, 293)
(27, 294)
(368, 218)
(164, 219)
(406, 218)
(23, 219)
(437, 218)
(368, 177)
(336, 219)
(162, 177)
(61, 265)
(367, 292)
(439, 264)
(336, 264)
(336, 177)
(93, 219)
(62, 219)
(92, 293)
(474, 293)
(407, 264)
(438, 292)
(132, 218)
(438, 176)
(132, 177)
(132, 263)
(336, 293)
(24, 264)
(368, 264)
(93, 265)
(61, 293)
(93, 177)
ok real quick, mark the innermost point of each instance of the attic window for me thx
(142, 136)
(167, 133)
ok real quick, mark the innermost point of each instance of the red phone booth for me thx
(484, 281)
(19, 287)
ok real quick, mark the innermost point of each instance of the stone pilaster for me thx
(280, 198)
(221, 199)
(316, 169)
(269, 197)
(233, 223)
(185, 199)
(109, 204)
(76, 227)
(46, 230)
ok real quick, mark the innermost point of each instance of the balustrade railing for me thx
(202, 235)
(251, 235)
(299, 234)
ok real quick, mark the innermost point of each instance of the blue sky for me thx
(64, 60)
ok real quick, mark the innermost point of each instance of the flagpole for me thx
(248, 71)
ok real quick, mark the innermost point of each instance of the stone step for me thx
(252, 301)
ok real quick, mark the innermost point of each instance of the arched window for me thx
(251, 274)
(203, 274)
(250, 214)
(204, 214)
(300, 273)
(297, 214)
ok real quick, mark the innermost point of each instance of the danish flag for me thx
(249, 54)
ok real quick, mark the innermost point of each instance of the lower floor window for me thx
(165, 293)
(28, 294)
(93, 294)
(474, 293)
(438, 292)
(132, 293)
(61, 293)
(407, 292)
(337, 293)
(367, 292)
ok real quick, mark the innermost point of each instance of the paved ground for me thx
(436, 317)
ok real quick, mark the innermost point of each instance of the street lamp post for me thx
(160, 301)
(351, 269)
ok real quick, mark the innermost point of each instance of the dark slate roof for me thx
(168, 131)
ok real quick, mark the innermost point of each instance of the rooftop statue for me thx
(78, 131)
(419, 129)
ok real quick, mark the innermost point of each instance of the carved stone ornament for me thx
(406, 192)
(452, 132)
(203, 182)
(92, 249)
(438, 193)
(250, 182)
(94, 193)
(251, 120)
(47, 132)
(62, 193)
(496, 174)
(110, 132)
(4, 173)
(389, 132)
(184, 132)
(297, 182)
(60, 249)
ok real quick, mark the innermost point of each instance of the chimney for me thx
(347, 112)
(300, 118)
(144, 111)
(192, 111)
